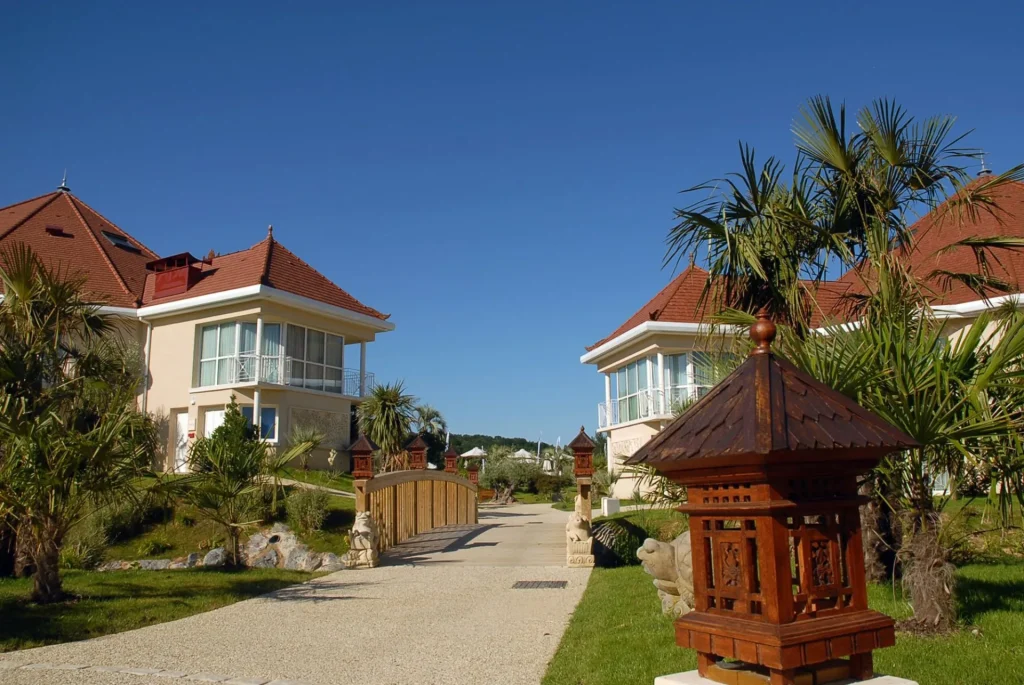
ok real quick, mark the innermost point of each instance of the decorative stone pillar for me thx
(451, 461)
(417, 449)
(578, 538)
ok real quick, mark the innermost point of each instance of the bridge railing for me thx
(407, 503)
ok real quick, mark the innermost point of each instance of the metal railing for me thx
(650, 403)
(287, 371)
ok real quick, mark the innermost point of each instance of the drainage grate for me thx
(540, 584)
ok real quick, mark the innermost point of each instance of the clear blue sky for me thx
(498, 176)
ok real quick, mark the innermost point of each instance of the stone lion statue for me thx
(577, 529)
(363, 543)
(671, 565)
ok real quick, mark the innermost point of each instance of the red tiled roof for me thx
(116, 275)
(269, 263)
(677, 302)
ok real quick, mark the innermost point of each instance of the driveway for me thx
(440, 609)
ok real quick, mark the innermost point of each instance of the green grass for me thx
(619, 636)
(338, 481)
(114, 602)
(334, 536)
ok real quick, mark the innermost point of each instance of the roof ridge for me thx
(265, 273)
(55, 194)
(379, 314)
(85, 204)
(110, 263)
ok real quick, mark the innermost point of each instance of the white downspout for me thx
(146, 357)
(663, 404)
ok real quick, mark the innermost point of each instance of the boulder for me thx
(266, 560)
(216, 557)
(330, 562)
(154, 564)
(192, 560)
(255, 546)
(311, 562)
(295, 559)
(113, 566)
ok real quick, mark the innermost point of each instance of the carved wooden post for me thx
(451, 461)
(474, 472)
(417, 449)
(579, 542)
(362, 470)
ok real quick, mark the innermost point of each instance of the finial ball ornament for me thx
(762, 333)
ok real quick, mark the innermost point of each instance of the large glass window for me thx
(632, 392)
(227, 353)
(315, 359)
(217, 354)
(677, 386)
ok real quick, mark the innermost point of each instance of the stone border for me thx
(199, 676)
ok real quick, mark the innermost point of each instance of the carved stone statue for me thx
(672, 568)
(578, 540)
(363, 543)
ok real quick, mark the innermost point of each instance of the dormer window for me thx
(120, 241)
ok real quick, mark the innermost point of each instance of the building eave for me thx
(650, 328)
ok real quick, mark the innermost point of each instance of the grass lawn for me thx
(619, 636)
(338, 481)
(114, 602)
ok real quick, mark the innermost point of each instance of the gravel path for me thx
(441, 610)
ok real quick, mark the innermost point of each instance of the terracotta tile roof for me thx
(796, 414)
(677, 302)
(269, 263)
(116, 274)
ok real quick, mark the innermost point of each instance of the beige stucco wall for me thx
(174, 348)
(622, 442)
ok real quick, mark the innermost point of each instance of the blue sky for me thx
(499, 177)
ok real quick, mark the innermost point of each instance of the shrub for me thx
(127, 519)
(616, 542)
(152, 547)
(307, 509)
(547, 484)
(85, 546)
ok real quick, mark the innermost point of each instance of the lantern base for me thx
(694, 678)
(790, 645)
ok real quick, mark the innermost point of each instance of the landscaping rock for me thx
(295, 560)
(255, 546)
(267, 560)
(113, 566)
(191, 561)
(218, 556)
(154, 564)
(311, 562)
(330, 562)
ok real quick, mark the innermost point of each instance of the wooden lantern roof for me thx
(582, 442)
(768, 411)
(416, 444)
(450, 452)
(363, 446)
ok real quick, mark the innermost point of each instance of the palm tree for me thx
(386, 417)
(69, 432)
(429, 421)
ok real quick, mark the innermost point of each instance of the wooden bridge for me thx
(413, 501)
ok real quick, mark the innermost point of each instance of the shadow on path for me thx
(450, 539)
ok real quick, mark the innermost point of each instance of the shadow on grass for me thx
(118, 601)
(978, 596)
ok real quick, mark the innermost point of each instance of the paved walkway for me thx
(441, 609)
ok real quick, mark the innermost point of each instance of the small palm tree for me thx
(386, 417)
(429, 421)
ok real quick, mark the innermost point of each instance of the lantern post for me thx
(362, 469)
(770, 458)
(417, 449)
(579, 540)
(451, 461)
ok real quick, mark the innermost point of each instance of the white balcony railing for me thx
(284, 370)
(651, 403)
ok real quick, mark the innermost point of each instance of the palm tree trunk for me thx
(8, 547)
(874, 535)
(47, 587)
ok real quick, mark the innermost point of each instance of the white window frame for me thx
(305, 363)
(234, 357)
(622, 400)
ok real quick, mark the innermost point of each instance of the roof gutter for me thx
(649, 328)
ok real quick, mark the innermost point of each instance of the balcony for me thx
(649, 404)
(282, 370)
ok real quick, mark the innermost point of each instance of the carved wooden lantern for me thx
(417, 449)
(451, 461)
(583, 454)
(362, 458)
(473, 471)
(770, 458)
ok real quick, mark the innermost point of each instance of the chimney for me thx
(175, 274)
